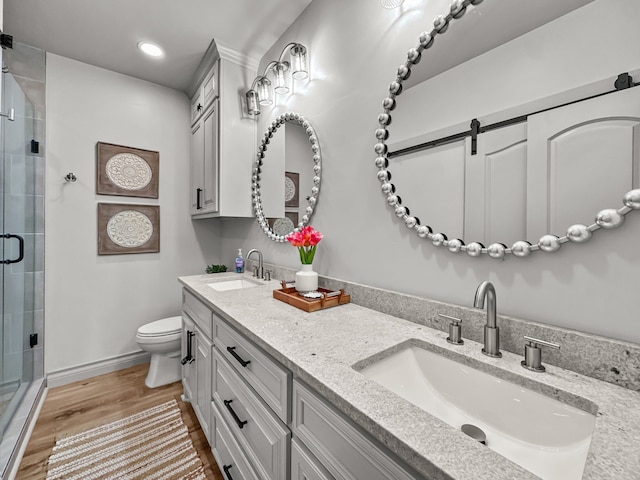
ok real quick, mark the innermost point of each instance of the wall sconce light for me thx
(260, 92)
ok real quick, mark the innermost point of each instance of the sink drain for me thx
(474, 432)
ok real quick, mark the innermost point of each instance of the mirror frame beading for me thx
(312, 199)
(609, 218)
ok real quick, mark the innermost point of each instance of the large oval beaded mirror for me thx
(281, 179)
(545, 233)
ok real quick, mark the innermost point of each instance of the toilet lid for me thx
(165, 326)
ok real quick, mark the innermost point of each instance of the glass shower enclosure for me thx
(22, 169)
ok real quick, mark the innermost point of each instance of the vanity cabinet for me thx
(262, 423)
(222, 142)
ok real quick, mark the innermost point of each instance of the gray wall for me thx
(355, 48)
(94, 304)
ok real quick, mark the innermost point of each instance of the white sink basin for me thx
(543, 435)
(225, 285)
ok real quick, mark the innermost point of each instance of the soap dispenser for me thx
(239, 262)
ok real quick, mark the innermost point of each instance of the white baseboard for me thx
(82, 372)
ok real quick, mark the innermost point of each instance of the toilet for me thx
(162, 339)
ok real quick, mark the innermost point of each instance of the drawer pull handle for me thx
(226, 469)
(189, 358)
(232, 351)
(241, 423)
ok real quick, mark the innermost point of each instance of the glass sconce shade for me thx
(299, 69)
(391, 3)
(279, 69)
(264, 91)
(253, 107)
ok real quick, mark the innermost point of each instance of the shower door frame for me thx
(22, 284)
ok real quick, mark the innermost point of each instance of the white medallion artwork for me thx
(129, 229)
(289, 190)
(128, 171)
(283, 226)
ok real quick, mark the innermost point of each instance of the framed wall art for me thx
(291, 189)
(127, 171)
(128, 228)
(284, 225)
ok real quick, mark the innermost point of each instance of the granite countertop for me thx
(321, 348)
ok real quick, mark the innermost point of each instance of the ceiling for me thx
(106, 33)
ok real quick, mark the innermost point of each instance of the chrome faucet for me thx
(491, 331)
(260, 266)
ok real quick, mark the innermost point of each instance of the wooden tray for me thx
(329, 298)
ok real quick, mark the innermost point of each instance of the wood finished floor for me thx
(82, 405)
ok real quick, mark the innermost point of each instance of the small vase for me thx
(306, 279)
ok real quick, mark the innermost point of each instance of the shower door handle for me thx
(21, 248)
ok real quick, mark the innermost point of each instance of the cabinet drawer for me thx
(232, 462)
(266, 376)
(341, 448)
(198, 312)
(304, 466)
(265, 440)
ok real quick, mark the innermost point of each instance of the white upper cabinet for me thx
(222, 142)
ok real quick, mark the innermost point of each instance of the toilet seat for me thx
(161, 328)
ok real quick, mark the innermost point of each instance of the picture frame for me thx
(127, 171)
(284, 225)
(128, 228)
(291, 189)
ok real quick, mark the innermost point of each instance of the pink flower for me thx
(306, 241)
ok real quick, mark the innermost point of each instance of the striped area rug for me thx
(151, 445)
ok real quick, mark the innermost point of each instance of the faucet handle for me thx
(267, 275)
(255, 270)
(455, 330)
(533, 353)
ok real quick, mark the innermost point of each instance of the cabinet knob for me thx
(199, 107)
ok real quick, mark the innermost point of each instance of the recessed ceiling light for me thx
(151, 49)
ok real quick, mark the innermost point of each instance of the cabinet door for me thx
(202, 404)
(210, 158)
(210, 86)
(496, 187)
(197, 106)
(188, 367)
(587, 157)
(197, 168)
